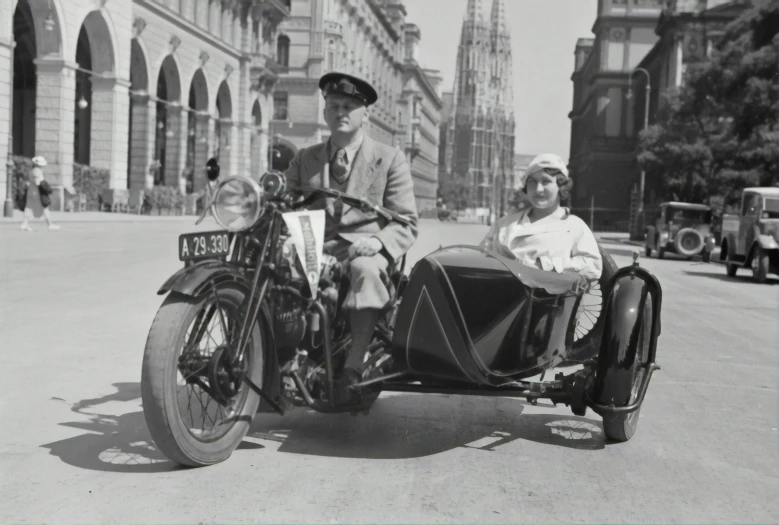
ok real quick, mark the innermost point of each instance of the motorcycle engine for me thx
(291, 324)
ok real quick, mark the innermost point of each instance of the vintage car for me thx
(682, 228)
(751, 238)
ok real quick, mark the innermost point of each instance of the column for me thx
(55, 113)
(231, 131)
(110, 128)
(175, 145)
(144, 114)
(255, 167)
(6, 56)
(204, 131)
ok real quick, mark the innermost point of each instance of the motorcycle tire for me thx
(622, 427)
(159, 381)
(587, 345)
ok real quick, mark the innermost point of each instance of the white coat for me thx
(558, 243)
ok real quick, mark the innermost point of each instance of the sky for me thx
(543, 39)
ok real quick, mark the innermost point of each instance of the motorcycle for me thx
(254, 322)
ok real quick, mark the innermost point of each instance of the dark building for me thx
(686, 30)
(602, 156)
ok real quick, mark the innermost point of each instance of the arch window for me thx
(282, 50)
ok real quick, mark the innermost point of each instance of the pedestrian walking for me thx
(37, 196)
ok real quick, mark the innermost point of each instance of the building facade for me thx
(480, 135)
(420, 117)
(136, 85)
(686, 30)
(602, 156)
(369, 39)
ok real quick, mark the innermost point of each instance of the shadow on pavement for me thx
(411, 426)
(114, 443)
(398, 427)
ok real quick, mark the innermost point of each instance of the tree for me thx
(720, 131)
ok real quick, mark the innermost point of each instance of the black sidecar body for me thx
(473, 322)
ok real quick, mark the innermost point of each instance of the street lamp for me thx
(629, 95)
(8, 207)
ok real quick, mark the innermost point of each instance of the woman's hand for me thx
(581, 284)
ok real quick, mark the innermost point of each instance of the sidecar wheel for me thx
(167, 411)
(589, 316)
(621, 427)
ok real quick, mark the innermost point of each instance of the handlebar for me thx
(356, 202)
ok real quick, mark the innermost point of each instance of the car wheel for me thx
(760, 264)
(730, 267)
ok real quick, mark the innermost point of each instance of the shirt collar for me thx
(561, 213)
(351, 150)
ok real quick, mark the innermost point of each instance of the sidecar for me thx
(473, 322)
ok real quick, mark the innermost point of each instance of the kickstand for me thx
(275, 406)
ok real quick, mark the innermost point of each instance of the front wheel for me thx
(760, 265)
(731, 267)
(188, 366)
(621, 427)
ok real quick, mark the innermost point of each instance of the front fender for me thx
(767, 242)
(196, 281)
(624, 309)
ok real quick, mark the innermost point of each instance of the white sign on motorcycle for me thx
(307, 230)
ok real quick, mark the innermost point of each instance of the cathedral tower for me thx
(480, 129)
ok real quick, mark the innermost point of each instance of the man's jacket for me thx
(379, 174)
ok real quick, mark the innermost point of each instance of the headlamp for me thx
(238, 203)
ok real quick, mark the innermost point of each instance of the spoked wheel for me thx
(196, 405)
(589, 321)
(621, 427)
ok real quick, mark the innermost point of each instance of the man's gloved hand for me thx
(365, 247)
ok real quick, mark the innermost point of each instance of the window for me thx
(613, 112)
(616, 49)
(280, 106)
(282, 50)
(751, 205)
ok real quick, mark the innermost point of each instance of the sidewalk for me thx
(98, 216)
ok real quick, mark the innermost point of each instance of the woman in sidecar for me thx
(546, 235)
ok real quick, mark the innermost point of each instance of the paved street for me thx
(75, 308)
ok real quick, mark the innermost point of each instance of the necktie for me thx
(338, 169)
(338, 166)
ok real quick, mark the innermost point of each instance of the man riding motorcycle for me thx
(352, 162)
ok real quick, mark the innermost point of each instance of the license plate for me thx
(203, 245)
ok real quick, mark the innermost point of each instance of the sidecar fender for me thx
(624, 310)
(196, 280)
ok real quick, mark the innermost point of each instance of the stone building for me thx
(602, 157)
(521, 163)
(124, 85)
(366, 38)
(419, 116)
(480, 134)
(686, 30)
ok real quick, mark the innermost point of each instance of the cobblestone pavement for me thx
(75, 308)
